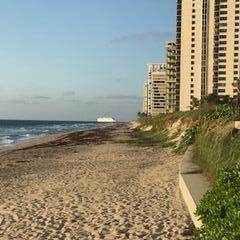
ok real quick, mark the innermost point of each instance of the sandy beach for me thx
(91, 185)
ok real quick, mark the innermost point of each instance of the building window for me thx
(221, 90)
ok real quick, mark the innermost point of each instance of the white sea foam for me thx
(27, 137)
(23, 131)
(5, 141)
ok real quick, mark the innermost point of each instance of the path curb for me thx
(193, 185)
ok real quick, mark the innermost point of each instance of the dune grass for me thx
(153, 138)
(216, 144)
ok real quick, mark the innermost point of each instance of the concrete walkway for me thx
(193, 185)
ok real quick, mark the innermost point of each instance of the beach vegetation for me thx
(211, 133)
(195, 103)
(141, 114)
(219, 209)
(151, 138)
(188, 138)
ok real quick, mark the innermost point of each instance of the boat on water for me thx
(106, 120)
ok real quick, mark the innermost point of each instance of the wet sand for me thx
(90, 185)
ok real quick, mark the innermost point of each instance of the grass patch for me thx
(213, 151)
(215, 143)
(150, 139)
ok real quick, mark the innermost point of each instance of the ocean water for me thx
(13, 132)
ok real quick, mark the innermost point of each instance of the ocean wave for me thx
(6, 141)
(14, 132)
(45, 131)
(27, 137)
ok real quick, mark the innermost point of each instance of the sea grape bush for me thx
(219, 209)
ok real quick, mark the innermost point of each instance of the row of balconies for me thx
(171, 80)
(171, 100)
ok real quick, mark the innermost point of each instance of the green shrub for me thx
(219, 210)
(225, 111)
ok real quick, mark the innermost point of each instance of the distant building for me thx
(145, 99)
(160, 93)
(157, 89)
(207, 48)
(172, 97)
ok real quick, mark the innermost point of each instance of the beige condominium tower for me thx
(145, 99)
(172, 97)
(207, 48)
(157, 82)
(160, 93)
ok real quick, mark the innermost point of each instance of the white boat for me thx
(106, 120)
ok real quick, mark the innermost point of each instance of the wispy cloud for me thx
(91, 103)
(17, 101)
(144, 36)
(70, 97)
(69, 93)
(40, 97)
(28, 100)
(119, 97)
(75, 100)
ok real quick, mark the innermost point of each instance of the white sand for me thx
(106, 190)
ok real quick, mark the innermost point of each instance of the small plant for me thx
(195, 103)
(219, 210)
(141, 114)
(224, 111)
(211, 99)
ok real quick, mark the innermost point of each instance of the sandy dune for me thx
(91, 186)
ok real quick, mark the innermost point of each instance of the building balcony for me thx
(171, 99)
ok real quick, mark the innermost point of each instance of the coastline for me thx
(90, 184)
(49, 138)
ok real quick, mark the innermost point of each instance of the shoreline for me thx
(91, 185)
(49, 138)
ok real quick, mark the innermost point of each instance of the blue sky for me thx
(75, 59)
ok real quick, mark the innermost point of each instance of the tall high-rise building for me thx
(226, 50)
(207, 48)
